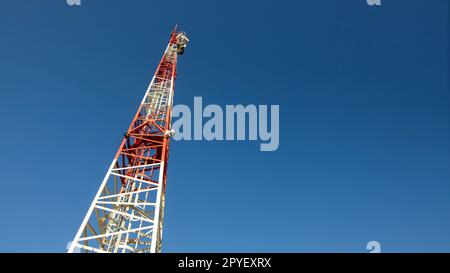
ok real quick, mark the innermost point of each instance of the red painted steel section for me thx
(145, 141)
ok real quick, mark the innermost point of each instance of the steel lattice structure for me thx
(127, 212)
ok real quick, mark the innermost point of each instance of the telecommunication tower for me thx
(127, 212)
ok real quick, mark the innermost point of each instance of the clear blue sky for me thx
(363, 95)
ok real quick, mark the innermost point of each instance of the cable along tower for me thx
(127, 212)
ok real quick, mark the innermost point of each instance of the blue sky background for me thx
(363, 95)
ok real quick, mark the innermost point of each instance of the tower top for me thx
(180, 39)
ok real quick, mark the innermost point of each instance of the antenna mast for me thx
(127, 212)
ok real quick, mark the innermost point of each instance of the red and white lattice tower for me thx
(127, 212)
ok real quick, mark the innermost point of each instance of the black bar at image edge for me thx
(225, 262)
